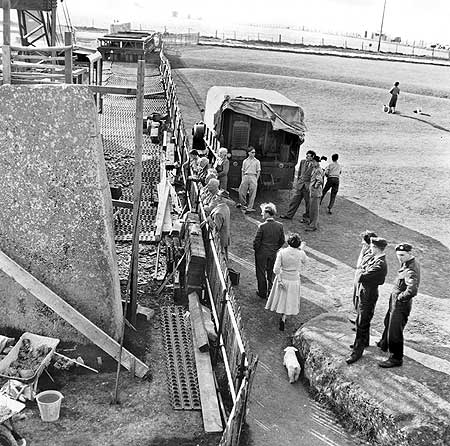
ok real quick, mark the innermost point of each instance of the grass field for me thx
(393, 165)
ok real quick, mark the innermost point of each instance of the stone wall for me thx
(388, 406)
(56, 216)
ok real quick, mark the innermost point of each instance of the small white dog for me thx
(291, 363)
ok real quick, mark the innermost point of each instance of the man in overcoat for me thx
(268, 240)
(371, 275)
(400, 303)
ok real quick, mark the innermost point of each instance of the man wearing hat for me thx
(371, 275)
(400, 303)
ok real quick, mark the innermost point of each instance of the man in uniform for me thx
(301, 188)
(371, 275)
(268, 240)
(400, 303)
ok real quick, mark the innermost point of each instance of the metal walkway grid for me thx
(181, 370)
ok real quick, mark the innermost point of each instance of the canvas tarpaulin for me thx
(265, 105)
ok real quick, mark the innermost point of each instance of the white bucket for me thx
(49, 403)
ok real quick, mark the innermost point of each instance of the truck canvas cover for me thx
(265, 105)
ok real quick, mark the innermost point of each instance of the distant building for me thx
(377, 36)
(396, 39)
(127, 46)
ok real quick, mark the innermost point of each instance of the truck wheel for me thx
(6, 437)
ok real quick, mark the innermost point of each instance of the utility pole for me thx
(381, 27)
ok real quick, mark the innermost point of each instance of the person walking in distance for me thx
(365, 255)
(372, 274)
(400, 303)
(395, 91)
(251, 170)
(315, 194)
(332, 173)
(284, 297)
(268, 240)
(300, 188)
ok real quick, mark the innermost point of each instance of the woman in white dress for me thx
(284, 297)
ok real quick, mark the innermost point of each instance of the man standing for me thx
(333, 173)
(371, 276)
(220, 220)
(365, 255)
(315, 194)
(251, 170)
(400, 303)
(301, 188)
(268, 240)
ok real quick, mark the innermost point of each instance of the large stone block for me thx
(391, 406)
(56, 217)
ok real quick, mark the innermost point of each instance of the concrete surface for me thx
(56, 218)
(394, 406)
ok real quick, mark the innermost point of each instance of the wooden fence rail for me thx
(239, 364)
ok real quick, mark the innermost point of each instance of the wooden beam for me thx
(137, 187)
(109, 89)
(208, 396)
(68, 313)
(122, 204)
(68, 64)
(197, 323)
(41, 49)
(6, 49)
(163, 199)
(6, 22)
(36, 57)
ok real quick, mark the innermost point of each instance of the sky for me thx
(410, 19)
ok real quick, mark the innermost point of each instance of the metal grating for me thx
(181, 370)
(118, 126)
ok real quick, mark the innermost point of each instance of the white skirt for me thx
(285, 300)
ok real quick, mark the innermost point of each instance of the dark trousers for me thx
(264, 272)
(394, 324)
(333, 184)
(294, 203)
(367, 299)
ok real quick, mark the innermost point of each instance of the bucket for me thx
(49, 403)
(234, 276)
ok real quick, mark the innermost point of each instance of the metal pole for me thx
(381, 27)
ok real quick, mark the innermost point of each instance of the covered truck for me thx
(265, 119)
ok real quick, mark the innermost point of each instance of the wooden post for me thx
(137, 188)
(68, 57)
(53, 28)
(6, 49)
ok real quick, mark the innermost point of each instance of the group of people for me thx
(278, 273)
(309, 186)
(278, 268)
(371, 271)
(212, 182)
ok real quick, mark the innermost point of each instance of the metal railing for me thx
(239, 365)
